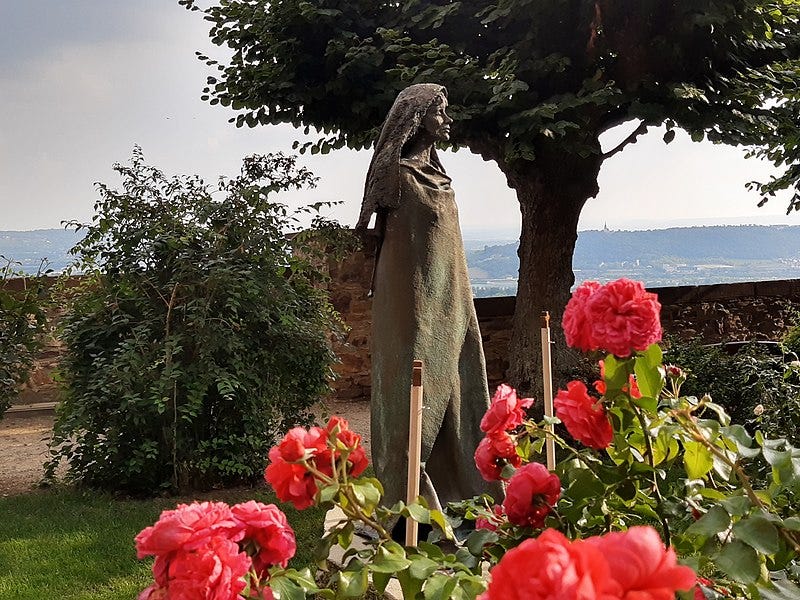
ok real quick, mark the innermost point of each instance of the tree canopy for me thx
(520, 72)
(532, 86)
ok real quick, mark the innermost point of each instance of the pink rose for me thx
(576, 324)
(291, 482)
(266, 525)
(493, 453)
(187, 527)
(213, 572)
(642, 567)
(549, 568)
(506, 411)
(623, 317)
(531, 493)
(583, 416)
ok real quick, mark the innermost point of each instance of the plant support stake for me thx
(547, 380)
(414, 448)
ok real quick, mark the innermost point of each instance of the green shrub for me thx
(199, 333)
(22, 322)
(791, 341)
(759, 388)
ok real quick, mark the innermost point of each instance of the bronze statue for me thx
(422, 307)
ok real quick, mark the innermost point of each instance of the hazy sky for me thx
(82, 81)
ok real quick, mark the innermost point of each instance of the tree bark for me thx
(551, 191)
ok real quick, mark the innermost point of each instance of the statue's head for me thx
(418, 109)
(436, 122)
(411, 107)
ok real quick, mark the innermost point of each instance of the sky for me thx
(83, 81)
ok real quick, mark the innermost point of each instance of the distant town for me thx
(658, 257)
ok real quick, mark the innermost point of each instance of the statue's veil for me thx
(382, 188)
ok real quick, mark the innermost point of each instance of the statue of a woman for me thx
(422, 307)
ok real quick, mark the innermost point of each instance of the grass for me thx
(74, 545)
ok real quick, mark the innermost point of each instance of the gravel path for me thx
(24, 437)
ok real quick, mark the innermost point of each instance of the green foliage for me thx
(200, 331)
(676, 463)
(758, 388)
(791, 340)
(22, 323)
(522, 78)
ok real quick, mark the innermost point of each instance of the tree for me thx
(532, 85)
(199, 334)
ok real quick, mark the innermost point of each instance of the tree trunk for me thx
(551, 191)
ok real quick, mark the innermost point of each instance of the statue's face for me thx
(436, 122)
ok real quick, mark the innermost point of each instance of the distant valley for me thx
(660, 257)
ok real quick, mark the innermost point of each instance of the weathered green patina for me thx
(422, 309)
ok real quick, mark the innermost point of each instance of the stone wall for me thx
(712, 313)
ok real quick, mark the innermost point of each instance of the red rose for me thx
(298, 444)
(583, 416)
(491, 523)
(266, 593)
(291, 482)
(632, 387)
(337, 424)
(154, 592)
(187, 527)
(576, 324)
(506, 411)
(213, 572)
(357, 459)
(266, 525)
(549, 568)
(600, 384)
(531, 493)
(338, 431)
(622, 317)
(642, 567)
(492, 454)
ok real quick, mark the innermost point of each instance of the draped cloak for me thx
(423, 309)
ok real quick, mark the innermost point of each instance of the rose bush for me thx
(655, 502)
(212, 550)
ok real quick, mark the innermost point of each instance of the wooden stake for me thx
(547, 379)
(414, 448)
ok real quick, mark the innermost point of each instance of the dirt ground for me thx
(24, 437)
(23, 450)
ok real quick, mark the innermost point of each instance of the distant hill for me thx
(677, 256)
(29, 248)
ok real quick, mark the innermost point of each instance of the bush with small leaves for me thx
(200, 333)
(22, 323)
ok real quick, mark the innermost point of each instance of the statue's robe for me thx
(422, 309)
